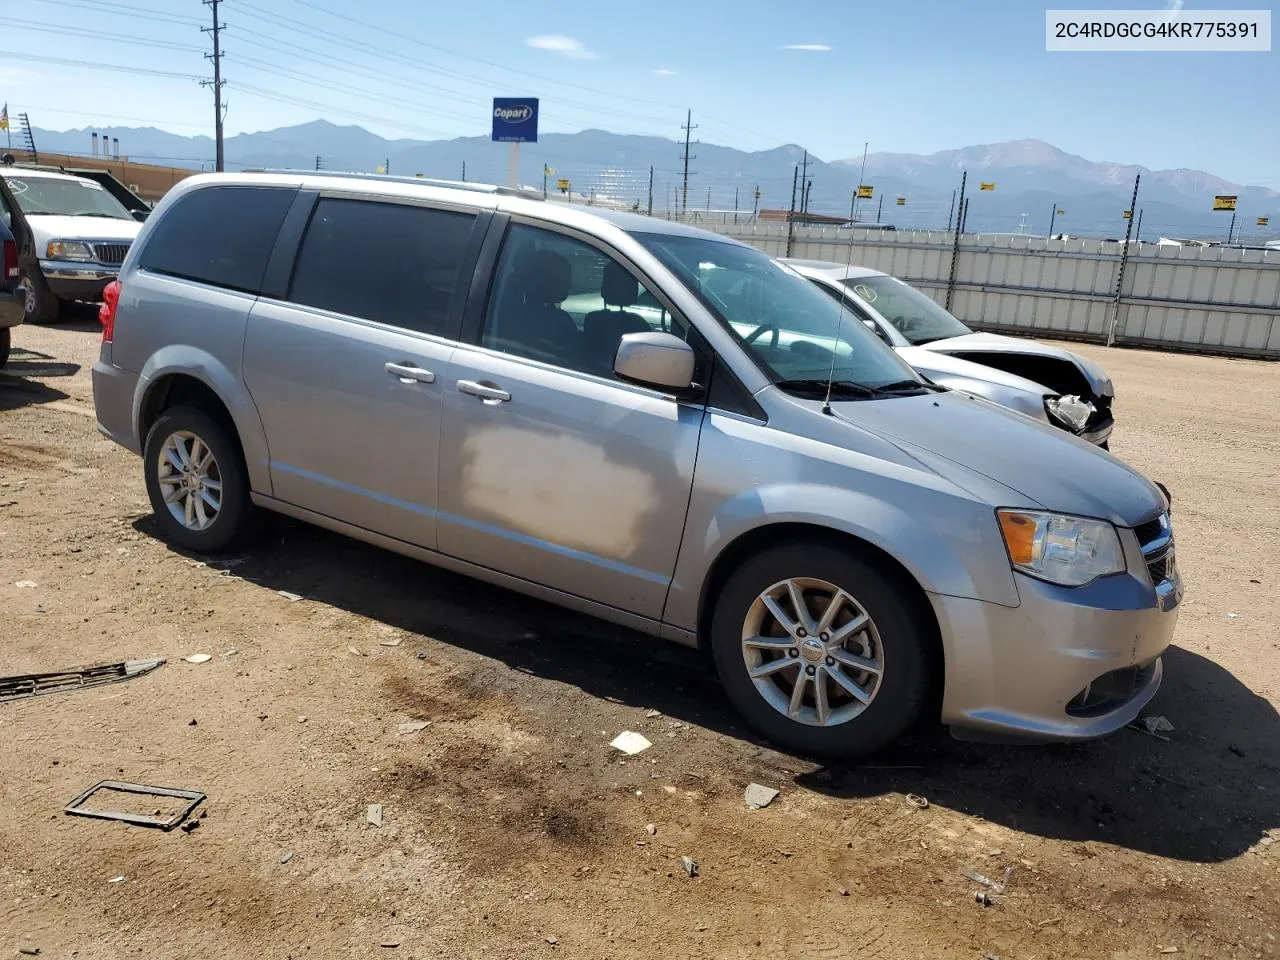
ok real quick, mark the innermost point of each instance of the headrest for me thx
(618, 287)
(546, 278)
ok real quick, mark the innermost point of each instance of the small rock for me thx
(192, 722)
(651, 829)
(373, 814)
(1230, 616)
(27, 950)
(356, 651)
(290, 595)
(422, 656)
(994, 852)
(1168, 949)
(301, 719)
(1157, 724)
(391, 643)
(390, 944)
(653, 713)
(116, 879)
(668, 788)
(552, 940)
(286, 856)
(25, 584)
(190, 825)
(1267, 841)
(630, 742)
(1236, 750)
(413, 726)
(690, 866)
(702, 927)
(758, 796)
(844, 891)
(198, 658)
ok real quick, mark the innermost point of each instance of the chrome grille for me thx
(1156, 539)
(110, 252)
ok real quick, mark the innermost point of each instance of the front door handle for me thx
(408, 373)
(487, 392)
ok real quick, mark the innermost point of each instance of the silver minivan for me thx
(646, 422)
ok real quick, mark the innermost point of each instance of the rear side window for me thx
(392, 263)
(219, 235)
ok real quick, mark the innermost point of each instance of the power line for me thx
(107, 6)
(101, 35)
(115, 67)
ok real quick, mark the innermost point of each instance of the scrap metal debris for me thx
(25, 584)
(198, 658)
(996, 889)
(758, 796)
(290, 595)
(630, 742)
(373, 814)
(286, 856)
(917, 801)
(690, 866)
(37, 684)
(1153, 727)
(391, 643)
(194, 798)
(413, 726)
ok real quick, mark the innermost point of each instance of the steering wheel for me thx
(762, 329)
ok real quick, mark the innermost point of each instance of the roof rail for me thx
(526, 192)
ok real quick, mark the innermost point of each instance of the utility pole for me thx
(951, 210)
(805, 183)
(853, 201)
(964, 215)
(216, 82)
(880, 208)
(651, 190)
(735, 204)
(808, 187)
(708, 199)
(319, 161)
(1124, 261)
(755, 210)
(1231, 229)
(464, 171)
(1137, 230)
(791, 213)
(955, 244)
(688, 128)
(1053, 217)
(386, 166)
(862, 178)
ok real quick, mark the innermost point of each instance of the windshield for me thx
(786, 323)
(71, 198)
(915, 315)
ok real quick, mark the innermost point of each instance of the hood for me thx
(48, 227)
(1060, 472)
(937, 365)
(1097, 378)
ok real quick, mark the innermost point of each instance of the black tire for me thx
(906, 649)
(235, 508)
(42, 305)
(6, 341)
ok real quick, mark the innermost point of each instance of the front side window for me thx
(392, 263)
(72, 197)
(794, 331)
(916, 315)
(564, 302)
(218, 235)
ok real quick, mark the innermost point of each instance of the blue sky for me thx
(908, 76)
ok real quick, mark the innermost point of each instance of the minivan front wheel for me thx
(196, 480)
(820, 651)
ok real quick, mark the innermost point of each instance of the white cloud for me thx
(571, 48)
(664, 72)
(811, 47)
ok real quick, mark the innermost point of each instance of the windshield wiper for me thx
(96, 213)
(844, 389)
(902, 386)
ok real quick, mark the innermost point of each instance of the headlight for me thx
(69, 250)
(1070, 411)
(1070, 551)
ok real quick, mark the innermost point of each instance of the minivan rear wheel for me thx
(819, 651)
(196, 480)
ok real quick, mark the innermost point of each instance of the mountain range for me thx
(1032, 178)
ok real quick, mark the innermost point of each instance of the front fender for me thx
(942, 535)
(187, 360)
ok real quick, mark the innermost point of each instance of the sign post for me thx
(515, 121)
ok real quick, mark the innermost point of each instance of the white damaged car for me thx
(1040, 380)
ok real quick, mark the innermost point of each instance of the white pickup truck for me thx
(72, 235)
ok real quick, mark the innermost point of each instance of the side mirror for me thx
(659, 360)
(141, 215)
(871, 325)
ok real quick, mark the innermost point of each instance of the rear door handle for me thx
(489, 394)
(408, 373)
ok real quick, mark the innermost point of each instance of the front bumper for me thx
(77, 280)
(1066, 664)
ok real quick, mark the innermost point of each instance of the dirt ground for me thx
(510, 828)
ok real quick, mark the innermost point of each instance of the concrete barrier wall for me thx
(1204, 299)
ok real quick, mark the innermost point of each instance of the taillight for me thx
(107, 312)
(10, 260)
